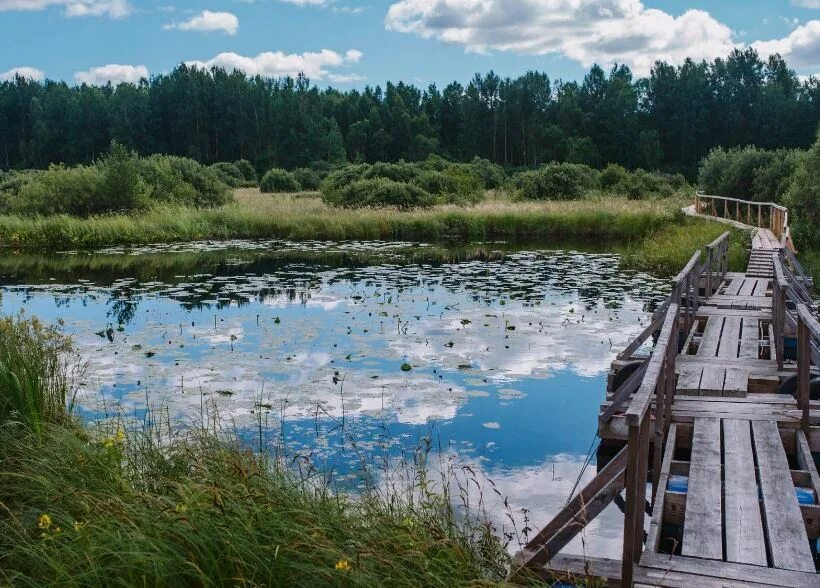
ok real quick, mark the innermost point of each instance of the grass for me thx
(306, 217)
(128, 506)
(667, 250)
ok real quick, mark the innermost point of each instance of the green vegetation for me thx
(279, 180)
(667, 251)
(748, 173)
(803, 198)
(151, 507)
(668, 120)
(235, 177)
(255, 215)
(119, 181)
(308, 178)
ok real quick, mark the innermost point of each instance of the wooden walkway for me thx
(705, 421)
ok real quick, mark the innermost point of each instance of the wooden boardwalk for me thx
(708, 419)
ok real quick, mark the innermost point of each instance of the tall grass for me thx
(80, 510)
(34, 381)
(305, 218)
(667, 250)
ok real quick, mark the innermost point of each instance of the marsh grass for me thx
(35, 381)
(666, 251)
(306, 217)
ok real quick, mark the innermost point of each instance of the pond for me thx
(353, 355)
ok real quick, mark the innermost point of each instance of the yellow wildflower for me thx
(78, 526)
(343, 565)
(181, 507)
(120, 436)
(44, 522)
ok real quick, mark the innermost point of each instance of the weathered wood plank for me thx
(711, 381)
(730, 339)
(711, 337)
(736, 383)
(689, 380)
(747, 288)
(744, 527)
(733, 289)
(750, 339)
(788, 542)
(703, 528)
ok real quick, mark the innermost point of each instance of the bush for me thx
(492, 175)
(342, 177)
(229, 174)
(307, 178)
(179, 180)
(803, 198)
(612, 175)
(398, 172)
(557, 181)
(747, 173)
(246, 169)
(642, 184)
(380, 192)
(279, 180)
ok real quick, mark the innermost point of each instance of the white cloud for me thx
(597, 31)
(113, 72)
(807, 3)
(801, 48)
(316, 65)
(22, 71)
(110, 8)
(308, 2)
(208, 21)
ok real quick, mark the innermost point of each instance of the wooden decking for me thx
(729, 453)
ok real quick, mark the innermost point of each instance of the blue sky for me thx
(351, 43)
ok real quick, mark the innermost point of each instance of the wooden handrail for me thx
(778, 216)
(643, 398)
(780, 286)
(658, 381)
(808, 337)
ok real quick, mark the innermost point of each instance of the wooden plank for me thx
(761, 288)
(744, 527)
(750, 339)
(705, 311)
(729, 340)
(788, 542)
(689, 380)
(736, 383)
(703, 528)
(735, 572)
(747, 288)
(711, 381)
(733, 289)
(711, 337)
(656, 523)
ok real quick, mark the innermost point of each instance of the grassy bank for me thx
(110, 506)
(306, 217)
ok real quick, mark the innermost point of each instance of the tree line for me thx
(667, 121)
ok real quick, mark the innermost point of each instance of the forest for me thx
(668, 121)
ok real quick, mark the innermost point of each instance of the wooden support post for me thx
(803, 364)
(737, 210)
(749, 214)
(759, 216)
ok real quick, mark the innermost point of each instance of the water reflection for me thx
(500, 357)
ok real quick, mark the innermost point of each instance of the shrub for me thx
(642, 184)
(181, 180)
(612, 175)
(803, 198)
(492, 175)
(342, 177)
(557, 181)
(380, 192)
(279, 180)
(398, 172)
(229, 174)
(246, 169)
(747, 173)
(307, 178)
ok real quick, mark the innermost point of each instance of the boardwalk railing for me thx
(659, 385)
(716, 264)
(757, 214)
(780, 314)
(808, 353)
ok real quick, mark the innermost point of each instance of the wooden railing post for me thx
(808, 330)
(759, 215)
(779, 287)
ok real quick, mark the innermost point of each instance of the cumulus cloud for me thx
(807, 3)
(801, 48)
(24, 72)
(113, 72)
(316, 65)
(110, 8)
(207, 22)
(598, 31)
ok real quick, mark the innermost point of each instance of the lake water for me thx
(356, 354)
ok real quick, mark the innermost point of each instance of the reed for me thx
(306, 217)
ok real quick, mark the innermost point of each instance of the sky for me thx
(354, 43)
